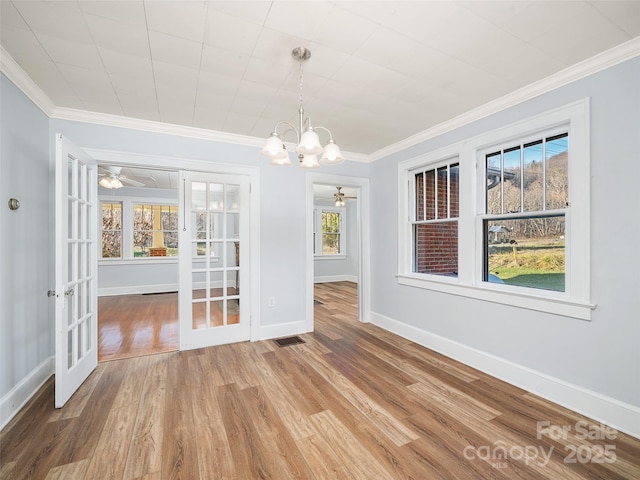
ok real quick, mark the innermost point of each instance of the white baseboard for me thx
(336, 278)
(160, 288)
(18, 396)
(282, 330)
(619, 415)
(137, 290)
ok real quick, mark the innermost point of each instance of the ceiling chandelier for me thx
(309, 146)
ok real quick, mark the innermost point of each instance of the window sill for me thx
(329, 257)
(137, 261)
(549, 304)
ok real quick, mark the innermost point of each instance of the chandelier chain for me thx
(301, 81)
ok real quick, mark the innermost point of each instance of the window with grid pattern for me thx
(435, 220)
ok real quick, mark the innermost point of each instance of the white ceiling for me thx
(327, 192)
(150, 178)
(379, 72)
(168, 180)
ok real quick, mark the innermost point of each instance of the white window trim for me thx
(318, 209)
(575, 301)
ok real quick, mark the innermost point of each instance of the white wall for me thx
(592, 366)
(330, 270)
(26, 322)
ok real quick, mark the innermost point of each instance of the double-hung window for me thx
(523, 226)
(111, 229)
(155, 230)
(435, 219)
(504, 216)
(329, 231)
(131, 229)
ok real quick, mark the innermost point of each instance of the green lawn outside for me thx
(536, 265)
(524, 277)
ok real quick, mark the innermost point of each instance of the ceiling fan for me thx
(111, 177)
(340, 197)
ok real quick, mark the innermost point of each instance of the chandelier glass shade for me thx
(308, 147)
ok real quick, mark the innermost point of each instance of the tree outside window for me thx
(155, 230)
(331, 233)
(112, 230)
(328, 233)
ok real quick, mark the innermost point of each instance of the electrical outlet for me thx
(271, 301)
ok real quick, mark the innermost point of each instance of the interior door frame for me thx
(364, 229)
(185, 164)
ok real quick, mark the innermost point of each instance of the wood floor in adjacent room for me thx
(353, 402)
(136, 325)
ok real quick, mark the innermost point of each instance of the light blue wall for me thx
(26, 328)
(602, 355)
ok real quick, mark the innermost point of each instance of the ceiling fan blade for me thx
(128, 181)
(109, 169)
(339, 195)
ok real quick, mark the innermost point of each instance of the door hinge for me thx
(51, 293)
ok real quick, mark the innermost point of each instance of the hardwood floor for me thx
(353, 402)
(136, 325)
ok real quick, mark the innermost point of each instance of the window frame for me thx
(415, 222)
(144, 204)
(128, 203)
(120, 230)
(319, 233)
(543, 212)
(575, 300)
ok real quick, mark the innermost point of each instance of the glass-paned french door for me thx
(76, 266)
(214, 244)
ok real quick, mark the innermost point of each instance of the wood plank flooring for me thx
(353, 402)
(144, 324)
(136, 325)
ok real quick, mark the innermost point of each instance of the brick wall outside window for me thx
(436, 242)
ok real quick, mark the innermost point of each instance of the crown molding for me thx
(10, 68)
(153, 126)
(118, 121)
(595, 64)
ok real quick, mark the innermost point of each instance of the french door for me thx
(214, 266)
(76, 246)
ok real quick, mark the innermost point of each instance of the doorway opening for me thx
(338, 260)
(138, 261)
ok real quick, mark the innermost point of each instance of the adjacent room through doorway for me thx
(138, 263)
(336, 250)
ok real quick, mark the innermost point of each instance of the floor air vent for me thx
(285, 342)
